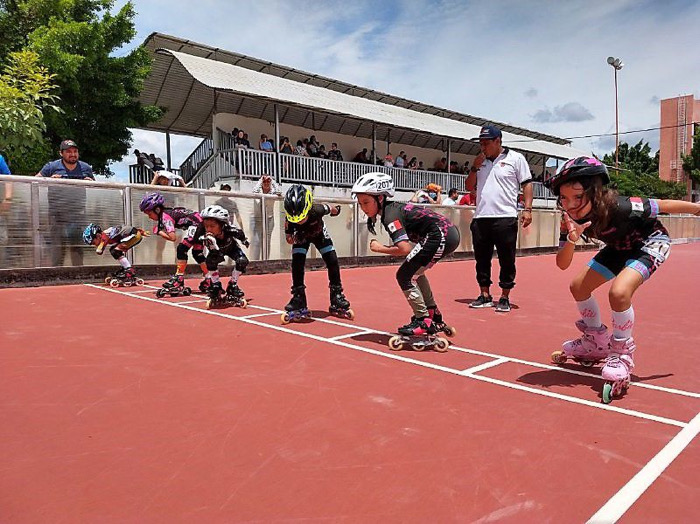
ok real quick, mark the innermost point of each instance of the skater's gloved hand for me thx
(210, 242)
(246, 243)
(335, 211)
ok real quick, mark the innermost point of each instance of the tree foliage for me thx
(98, 83)
(691, 162)
(26, 92)
(638, 173)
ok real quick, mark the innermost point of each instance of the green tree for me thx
(638, 173)
(80, 42)
(691, 162)
(26, 93)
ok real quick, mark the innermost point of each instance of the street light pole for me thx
(616, 64)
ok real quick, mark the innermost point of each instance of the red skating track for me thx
(120, 407)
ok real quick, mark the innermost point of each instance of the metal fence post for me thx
(128, 217)
(356, 227)
(263, 214)
(36, 223)
(201, 200)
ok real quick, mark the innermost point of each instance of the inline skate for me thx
(174, 287)
(296, 309)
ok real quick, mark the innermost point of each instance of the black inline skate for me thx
(420, 334)
(438, 324)
(205, 284)
(296, 309)
(232, 297)
(174, 287)
(124, 278)
(340, 307)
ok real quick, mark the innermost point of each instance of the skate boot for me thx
(117, 275)
(340, 307)
(296, 308)
(174, 287)
(205, 284)
(124, 277)
(617, 368)
(438, 324)
(419, 334)
(233, 290)
(590, 348)
(217, 297)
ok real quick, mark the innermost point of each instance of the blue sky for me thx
(536, 64)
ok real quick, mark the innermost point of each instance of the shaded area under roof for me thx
(194, 81)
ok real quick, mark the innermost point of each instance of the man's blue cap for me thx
(489, 133)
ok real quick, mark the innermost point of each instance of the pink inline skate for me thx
(589, 349)
(617, 368)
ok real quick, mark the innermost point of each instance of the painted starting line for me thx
(612, 510)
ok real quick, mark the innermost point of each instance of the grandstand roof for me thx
(194, 81)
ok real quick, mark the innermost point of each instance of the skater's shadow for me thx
(376, 338)
(468, 301)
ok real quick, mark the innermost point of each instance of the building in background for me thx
(679, 118)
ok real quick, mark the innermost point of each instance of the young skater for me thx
(167, 221)
(434, 237)
(304, 226)
(221, 240)
(636, 244)
(121, 239)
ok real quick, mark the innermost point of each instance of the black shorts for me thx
(644, 259)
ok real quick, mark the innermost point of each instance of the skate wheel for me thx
(210, 304)
(107, 279)
(127, 283)
(350, 314)
(441, 344)
(395, 343)
(243, 303)
(559, 357)
(160, 293)
(186, 292)
(114, 282)
(285, 318)
(587, 363)
(607, 393)
(140, 282)
(450, 331)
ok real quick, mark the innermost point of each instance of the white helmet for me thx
(215, 212)
(375, 183)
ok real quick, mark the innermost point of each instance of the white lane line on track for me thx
(623, 500)
(200, 301)
(511, 385)
(486, 365)
(471, 351)
(261, 315)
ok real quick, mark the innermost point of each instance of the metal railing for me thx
(143, 174)
(193, 163)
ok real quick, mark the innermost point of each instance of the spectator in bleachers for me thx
(156, 161)
(452, 197)
(432, 194)
(388, 160)
(163, 177)
(421, 167)
(400, 160)
(230, 206)
(334, 153)
(286, 147)
(361, 157)
(312, 146)
(241, 139)
(468, 199)
(300, 150)
(142, 159)
(265, 144)
(412, 164)
(322, 152)
(440, 165)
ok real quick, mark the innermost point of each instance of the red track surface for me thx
(116, 408)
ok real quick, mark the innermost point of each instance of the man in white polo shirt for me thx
(498, 173)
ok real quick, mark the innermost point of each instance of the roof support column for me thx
(374, 144)
(276, 149)
(168, 155)
(449, 157)
(388, 140)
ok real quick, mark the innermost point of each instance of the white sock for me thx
(589, 312)
(214, 275)
(234, 276)
(623, 323)
(124, 262)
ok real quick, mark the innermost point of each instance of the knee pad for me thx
(241, 262)
(198, 255)
(116, 254)
(213, 259)
(182, 250)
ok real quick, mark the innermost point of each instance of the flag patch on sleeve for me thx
(637, 206)
(394, 226)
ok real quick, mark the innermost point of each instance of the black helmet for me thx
(297, 203)
(578, 167)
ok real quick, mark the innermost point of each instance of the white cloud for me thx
(569, 112)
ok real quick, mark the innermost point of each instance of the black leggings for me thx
(503, 234)
(325, 246)
(435, 246)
